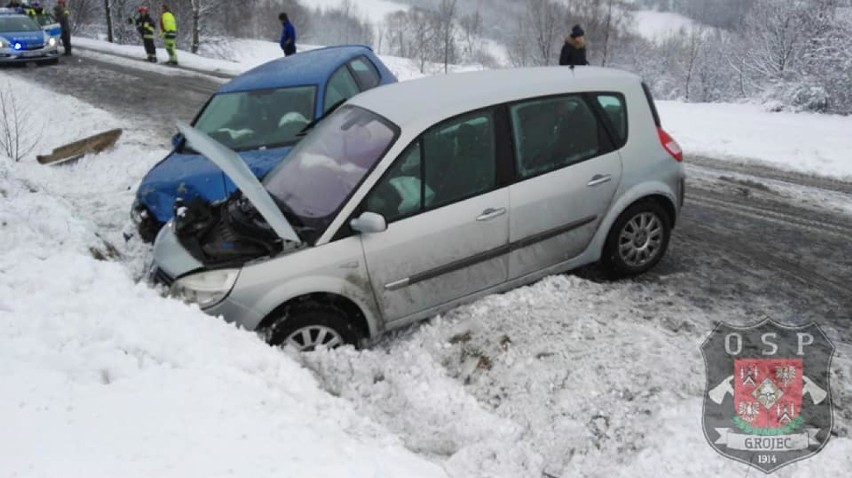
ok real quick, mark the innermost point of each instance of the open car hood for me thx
(236, 169)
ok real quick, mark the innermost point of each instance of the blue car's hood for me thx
(191, 175)
(28, 40)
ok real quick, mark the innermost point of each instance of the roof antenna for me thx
(572, 71)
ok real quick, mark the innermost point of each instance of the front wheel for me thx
(310, 328)
(638, 240)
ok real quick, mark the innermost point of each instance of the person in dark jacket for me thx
(145, 26)
(60, 12)
(288, 35)
(574, 50)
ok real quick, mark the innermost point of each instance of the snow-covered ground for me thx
(102, 377)
(657, 26)
(802, 142)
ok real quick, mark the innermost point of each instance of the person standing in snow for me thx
(288, 35)
(60, 13)
(574, 50)
(168, 28)
(145, 26)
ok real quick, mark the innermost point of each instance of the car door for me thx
(448, 222)
(567, 173)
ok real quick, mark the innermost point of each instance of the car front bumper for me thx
(10, 55)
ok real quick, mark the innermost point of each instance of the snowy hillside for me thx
(657, 26)
(102, 377)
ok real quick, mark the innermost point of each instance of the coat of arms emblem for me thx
(767, 402)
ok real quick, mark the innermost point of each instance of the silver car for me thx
(416, 197)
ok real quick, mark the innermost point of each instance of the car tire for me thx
(308, 327)
(637, 240)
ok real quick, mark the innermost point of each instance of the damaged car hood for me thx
(237, 170)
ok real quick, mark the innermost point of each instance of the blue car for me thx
(48, 24)
(260, 114)
(22, 40)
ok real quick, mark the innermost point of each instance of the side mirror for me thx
(177, 139)
(369, 222)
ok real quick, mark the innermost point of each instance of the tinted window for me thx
(44, 19)
(260, 118)
(552, 133)
(449, 163)
(340, 87)
(365, 72)
(613, 107)
(317, 177)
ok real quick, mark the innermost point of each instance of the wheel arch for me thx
(348, 306)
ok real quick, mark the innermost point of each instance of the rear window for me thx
(651, 104)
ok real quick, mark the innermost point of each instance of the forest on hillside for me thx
(788, 54)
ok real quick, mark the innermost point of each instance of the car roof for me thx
(442, 96)
(311, 67)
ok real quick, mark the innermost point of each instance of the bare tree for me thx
(446, 28)
(17, 137)
(543, 23)
(694, 44)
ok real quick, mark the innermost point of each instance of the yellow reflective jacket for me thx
(168, 22)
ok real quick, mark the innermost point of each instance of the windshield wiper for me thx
(310, 126)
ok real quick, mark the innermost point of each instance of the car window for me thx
(45, 19)
(17, 24)
(365, 72)
(552, 133)
(259, 118)
(451, 162)
(613, 106)
(402, 191)
(340, 87)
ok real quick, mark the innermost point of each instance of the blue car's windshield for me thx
(326, 167)
(258, 119)
(17, 24)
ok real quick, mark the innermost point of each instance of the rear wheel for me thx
(638, 240)
(310, 327)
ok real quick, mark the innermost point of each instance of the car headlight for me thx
(51, 42)
(205, 288)
(4, 43)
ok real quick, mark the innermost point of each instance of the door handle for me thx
(599, 179)
(491, 213)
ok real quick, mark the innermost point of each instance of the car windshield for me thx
(45, 19)
(315, 180)
(17, 24)
(258, 119)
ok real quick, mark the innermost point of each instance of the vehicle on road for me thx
(415, 197)
(22, 40)
(260, 114)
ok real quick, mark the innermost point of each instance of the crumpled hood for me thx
(192, 175)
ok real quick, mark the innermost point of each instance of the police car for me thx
(23, 40)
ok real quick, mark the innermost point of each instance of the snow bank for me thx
(804, 142)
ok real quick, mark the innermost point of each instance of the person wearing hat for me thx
(145, 26)
(60, 13)
(574, 50)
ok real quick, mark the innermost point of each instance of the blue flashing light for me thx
(17, 46)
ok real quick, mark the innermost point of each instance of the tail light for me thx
(670, 145)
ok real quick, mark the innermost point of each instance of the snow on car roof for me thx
(435, 97)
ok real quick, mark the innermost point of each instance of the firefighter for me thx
(168, 28)
(145, 27)
(60, 12)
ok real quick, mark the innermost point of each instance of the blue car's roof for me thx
(307, 68)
